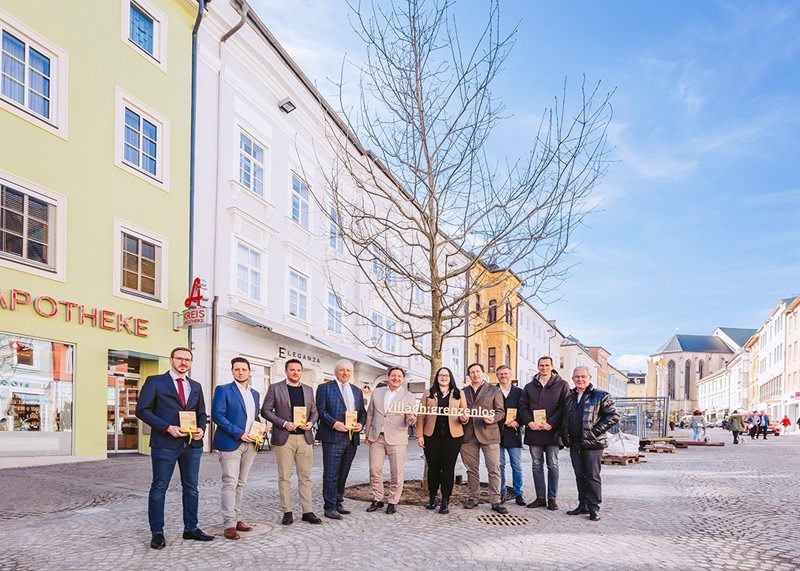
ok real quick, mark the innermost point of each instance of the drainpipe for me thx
(201, 6)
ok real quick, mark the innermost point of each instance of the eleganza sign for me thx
(286, 353)
(48, 307)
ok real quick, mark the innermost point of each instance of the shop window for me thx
(36, 385)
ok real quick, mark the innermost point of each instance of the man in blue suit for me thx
(161, 399)
(339, 445)
(234, 408)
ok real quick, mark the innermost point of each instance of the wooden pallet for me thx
(621, 460)
(660, 449)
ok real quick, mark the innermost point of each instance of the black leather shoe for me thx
(333, 514)
(341, 510)
(594, 516)
(374, 506)
(197, 535)
(499, 508)
(520, 501)
(431, 505)
(158, 541)
(445, 507)
(391, 509)
(311, 518)
(288, 518)
(577, 511)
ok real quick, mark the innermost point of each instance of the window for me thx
(248, 272)
(26, 76)
(141, 266)
(509, 314)
(477, 353)
(27, 227)
(299, 202)
(477, 304)
(456, 360)
(298, 293)
(492, 310)
(142, 29)
(687, 386)
(390, 339)
(419, 294)
(671, 379)
(377, 329)
(492, 356)
(142, 141)
(700, 370)
(380, 267)
(334, 313)
(251, 164)
(335, 239)
(507, 356)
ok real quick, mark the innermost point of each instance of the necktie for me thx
(181, 392)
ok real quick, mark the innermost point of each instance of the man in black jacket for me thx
(541, 409)
(510, 440)
(588, 414)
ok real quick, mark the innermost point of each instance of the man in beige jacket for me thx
(386, 434)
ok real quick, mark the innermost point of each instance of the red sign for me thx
(48, 307)
(195, 294)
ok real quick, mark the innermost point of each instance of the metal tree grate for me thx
(503, 519)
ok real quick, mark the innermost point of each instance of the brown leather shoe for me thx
(241, 526)
(552, 505)
(231, 533)
(538, 503)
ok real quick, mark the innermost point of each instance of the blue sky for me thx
(698, 223)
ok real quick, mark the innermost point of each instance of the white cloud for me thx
(633, 363)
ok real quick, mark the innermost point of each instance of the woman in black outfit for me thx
(441, 437)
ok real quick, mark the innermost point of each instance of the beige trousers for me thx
(470, 455)
(296, 452)
(235, 469)
(378, 451)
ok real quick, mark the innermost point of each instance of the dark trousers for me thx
(337, 457)
(753, 432)
(735, 436)
(762, 430)
(163, 461)
(441, 453)
(586, 464)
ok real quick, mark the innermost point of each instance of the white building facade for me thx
(770, 387)
(536, 337)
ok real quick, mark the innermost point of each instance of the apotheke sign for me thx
(196, 315)
(47, 307)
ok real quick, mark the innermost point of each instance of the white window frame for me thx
(302, 201)
(161, 178)
(376, 323)
(334, 313)
(302, 296)
(390, 335)
(59, 251)
(56, 123)
(335, 240)
(240, 152)
(262, 255)
(160, 32)
(122, 226)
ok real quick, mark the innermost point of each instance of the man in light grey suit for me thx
(387, 435)
(292, 443)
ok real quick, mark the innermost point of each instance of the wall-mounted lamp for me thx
(287, 106)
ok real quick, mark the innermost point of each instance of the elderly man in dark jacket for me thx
(588, 414)
(546, 393)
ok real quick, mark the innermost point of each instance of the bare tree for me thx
(426, 215)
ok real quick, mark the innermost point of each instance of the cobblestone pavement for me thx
(701, 508)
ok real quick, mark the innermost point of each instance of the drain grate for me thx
(503, 519)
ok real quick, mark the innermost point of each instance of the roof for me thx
(740, 335)
(694, 344)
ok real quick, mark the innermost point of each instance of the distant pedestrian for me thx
(697, 424)
(786, 423)
(763, 425)
(753, 424)
(672, 425)
(737, 425)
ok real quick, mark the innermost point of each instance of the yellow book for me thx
(258, 430)
(299, 417)
(511, 415)
(188, 420)
(351, 419)
(540, 416)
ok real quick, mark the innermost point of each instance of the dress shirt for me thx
(387, 401)
(505, 392)
(347, 395)
(187, 386)
(249, 405)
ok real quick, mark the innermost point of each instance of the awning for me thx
(351, 353)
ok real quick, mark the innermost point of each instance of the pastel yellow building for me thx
(492, 339)
(94, 177)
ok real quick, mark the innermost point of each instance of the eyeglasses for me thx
(183, 359)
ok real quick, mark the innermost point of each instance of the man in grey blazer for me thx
(293, 445)
(387, 435)
(482, 435)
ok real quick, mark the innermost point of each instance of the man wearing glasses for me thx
(161, 400)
